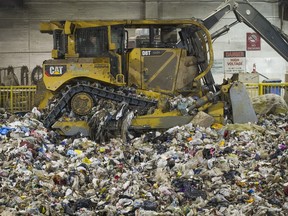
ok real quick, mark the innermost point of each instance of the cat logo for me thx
(55, 70)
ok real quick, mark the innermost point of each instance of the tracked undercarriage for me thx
(103, 112)
(106, 110)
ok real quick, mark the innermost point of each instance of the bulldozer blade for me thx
(242, 109)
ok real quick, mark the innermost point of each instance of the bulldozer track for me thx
(97, 92)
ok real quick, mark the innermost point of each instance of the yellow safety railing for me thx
(21, 98)
(255, 89)
(17, 98)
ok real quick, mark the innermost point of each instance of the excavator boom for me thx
(247, 14)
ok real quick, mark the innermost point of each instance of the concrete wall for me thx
(21, 43)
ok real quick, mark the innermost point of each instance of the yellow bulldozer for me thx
(142, 74)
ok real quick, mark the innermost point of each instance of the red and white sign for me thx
(253, 41)
(234, 61)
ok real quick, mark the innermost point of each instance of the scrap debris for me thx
(188, 170)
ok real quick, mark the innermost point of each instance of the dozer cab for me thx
(139, 66)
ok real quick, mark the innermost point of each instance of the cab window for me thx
(92, 42)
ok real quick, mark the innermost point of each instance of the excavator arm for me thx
(247, 14)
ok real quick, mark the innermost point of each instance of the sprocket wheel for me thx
(82, 103)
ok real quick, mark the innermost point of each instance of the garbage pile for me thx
(189, 170)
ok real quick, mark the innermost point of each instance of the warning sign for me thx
(234, 61)
(253, 41)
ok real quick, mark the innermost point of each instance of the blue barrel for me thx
(272, 89)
